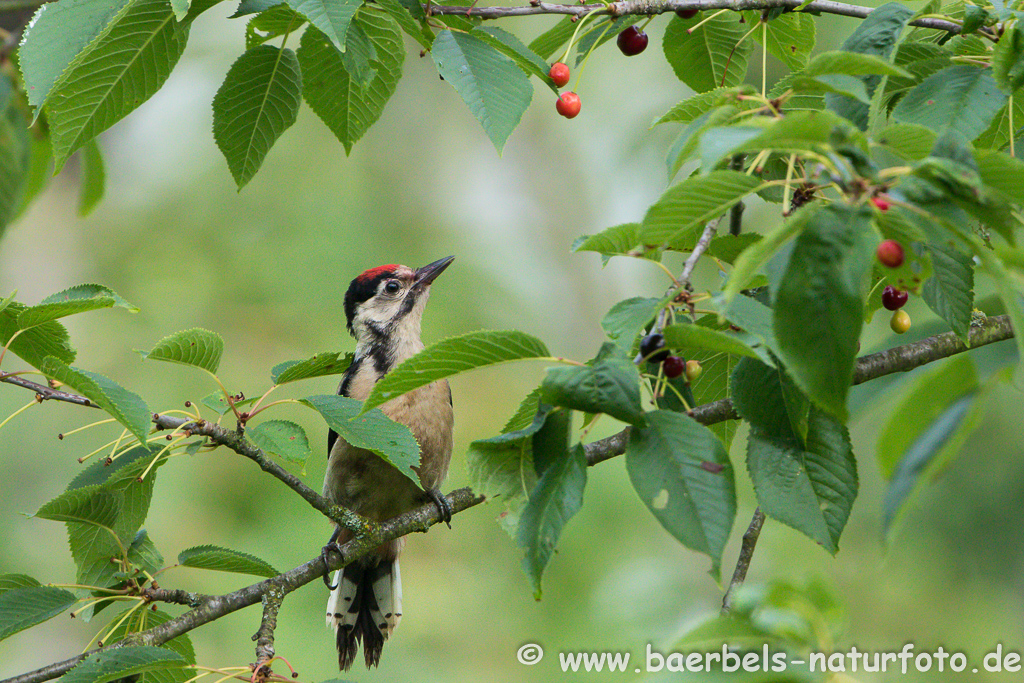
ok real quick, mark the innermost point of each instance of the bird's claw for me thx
(442, 505)
(332, 546)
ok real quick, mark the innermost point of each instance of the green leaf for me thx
(56, 35)
(370, 430)
(94, 505)
(790, 38)
(820, 301)
(1008, 59)
(502, 466)
(753, 259)
(225, 560)
(408, 16)
(196, 347)
(40, 170)
(921, 405)
(698, 336)
(557, 496)
(963, 98)
(93, 178)
(677, 218)
(24, 607)
(950, 290)
(852, 64)
(11, 581)
(120, 663)
(908, 140)
(257, 102)
(627, 318)
(692, 108)
(728, 248)
(510, 46)
(766, 397)
(452, 356)
(118, 71)
(215, 401)
(611, 386)
(809, 485)
(347, 107)
(126, 407)
(618, 240)
(1002, 174)
(15, 153)
(143, 554)
(143, 619)
(283, 438)
(496, 91)
(710, 57)
(683, 475)
(331, 17)
(78, 299)
(685, 146)
(551, 443)
(277, 21)
(555, 37)
(320, 365)
(876, 35)
(35, 345)
(524, 415)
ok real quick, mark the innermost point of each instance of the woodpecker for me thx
(384, 308)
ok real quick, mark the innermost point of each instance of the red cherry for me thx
(559, 74)
(687, 13)
(632, 41)
(894, 299)
(890, 253)
(568, 105)
(880, 203)
(674, 366)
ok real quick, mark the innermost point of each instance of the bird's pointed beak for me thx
(427, 274)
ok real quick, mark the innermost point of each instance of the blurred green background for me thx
(267, 269)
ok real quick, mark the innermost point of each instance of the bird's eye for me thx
(391, 287)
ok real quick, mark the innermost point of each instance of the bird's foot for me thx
(442, 505)
(335, 547)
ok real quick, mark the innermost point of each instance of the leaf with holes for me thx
(118, 71)
(496, 91)
(73, 300)
(224, 560)
(683, 475)
(331, 17)
(320, 365)
(712, 56)
(345, 106)
(681, 213)
(283, 438)
(125, 406)
(24, 607)
(257, 102)
(452, 356)
(557, 496)
(370, 430)
(196, 347)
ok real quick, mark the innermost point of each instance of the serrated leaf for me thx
(727, 248)
(557, 496)
(225, 560)
(345, 106)
(790, 38)
(555, 37)
(143, 554)
(119, 663)
(525, 413)
(453, 356)
(125, 406)
(701, 337)
(1001, 173)
(627, 318)
(809, 485)
(11, 581)
(685, 146)
(680, 214)
(753, 259)
(820, 302)
(371, 430)
(610, 386)
(502, 466)
(35, 345)
(963, 98)
(950, 290)
(55, 36)
(93, 178)
(196, 347)
(908, 140)
(765, 397)
(331, 17)
(513, 48)
(118, 71)
(618, 240)
(24, 607)
(271, 23)
(257, 102)
(320, 365)
(683, 475)
(1008, 59)
(411, 18)
(78, 299)
(283, 438)
(94, 505)
(692, 108)
(852, 64)
(144, 619)
(496, 91)
(712, 56)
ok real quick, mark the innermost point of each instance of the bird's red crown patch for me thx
(374, 273)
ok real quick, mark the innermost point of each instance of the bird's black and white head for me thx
(384, 305)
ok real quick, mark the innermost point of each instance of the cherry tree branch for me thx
(652, 7)
(750, 537)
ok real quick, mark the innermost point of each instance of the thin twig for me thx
(736, 212)
(743, 562)
(44, 392)
(264, 637)
(698, 250)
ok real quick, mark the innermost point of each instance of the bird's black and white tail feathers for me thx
(365, 607)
